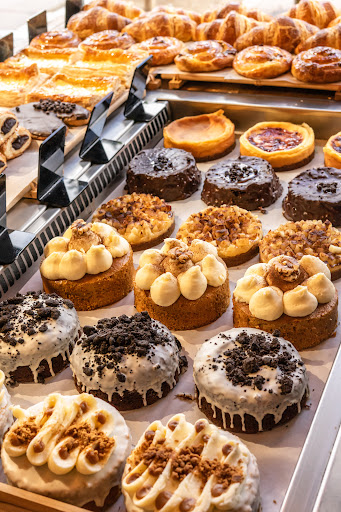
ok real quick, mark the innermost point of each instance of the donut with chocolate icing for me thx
(248, 182)
(71, 113)
(249, 381)
(129, 362)
(169, 173)
(40, 124)
(314, 194)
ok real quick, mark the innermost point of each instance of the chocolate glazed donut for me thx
(314, 194)
(248, 182)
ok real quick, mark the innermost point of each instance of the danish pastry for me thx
(40, 124)
(326, 37)
(316, 12)
(262, 62)
(17, 143)
(170, 9)
(207, 137)
(335, 21)
(105, 41)
(15, 83)
(228, 29)
(205, 56)
(284, 145)
(126, 9)
(85, 23)
(55, 39)
(236, 6)
(49, 61)
(8, 125)
(163, 49)
(319, 65)
(162, 24)
(332, 151)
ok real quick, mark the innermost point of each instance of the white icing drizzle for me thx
(219, 392)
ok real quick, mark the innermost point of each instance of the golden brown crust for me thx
(16, 144)
(3, 162)
(228, 29)
(315, 12)
(170, 9)
(55, 39)
(336, 21)
(50, 60)
(285, 32)
(332, 151)
(163, 49)
(319, 65)
(126, 9)
(85, 23)
(326, 37)
(162, 24)
(262, 62)
(15, 83)
(106, 40)
(204, 56)
(255, 13)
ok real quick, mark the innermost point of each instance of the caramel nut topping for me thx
(101, 418)
(92, 456)
(82, 237)
(285, 273)
(131, 478)
(199, 426)
(178, 260)
(187, 505)
(227, 448)
(23, 434)
(172, 425)
(162, 499)
(39, 446)
(141, 493)
(149, 435)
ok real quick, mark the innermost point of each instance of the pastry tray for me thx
(278, 451)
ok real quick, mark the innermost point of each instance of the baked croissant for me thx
(126, 9)
(315, 12)
(326, 37)
(285, 32)
(256, 14)
(162, 24)
(228, 29)
(169, 9)
(86, 23)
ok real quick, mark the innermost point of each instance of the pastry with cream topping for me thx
(6, 417)
(142, 219)
(130, 362)
(182, 287)
(235, 232)
(296, 298)
(91, 264)
(248, 380)
(190, 468)
(37, 335)
(70, 448)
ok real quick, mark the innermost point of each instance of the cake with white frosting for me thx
(6, 417)
(183, 467)
(294, 296)
(91, 264)
(70, 448)
(128, 361)
(249, 380)
(37, 335)
(182, 287)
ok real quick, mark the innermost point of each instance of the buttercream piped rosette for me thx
(295, 296)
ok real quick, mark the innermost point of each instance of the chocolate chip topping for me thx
(19, 141)
(7, 125)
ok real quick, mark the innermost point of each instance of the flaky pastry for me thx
(262, 62)
(49, 61)
(330, 36)
(127, 9)
(332, 151)
(316, 12)
(85, 23)
(106, 40)
(15, 83)
(163, 49)
(17, 143)
(238, 7)
(228, 29)
(55, 39)
(202, 56)
(162, 24)
(319, 65)
(170, 9)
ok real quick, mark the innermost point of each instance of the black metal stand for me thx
(71, 8)
(53, 188)
(135, 108)
(6, 47)
(12, 243)
(37, 25)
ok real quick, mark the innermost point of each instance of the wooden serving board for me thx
(22, 171)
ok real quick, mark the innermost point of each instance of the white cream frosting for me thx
(247, 286)
(50, 267)
(77, 479)
(73, 265)
(320, 286)
(214, 271)
(102, 229)
(165, 290)
(221, 393)
(267, 303)
(192, 283)
(259, 269)
(313, 265)
(6, 417)
(116, 245)
(98, 259)
(57, 244)
(299, 302)
(153, 256)
(146, 275)
(241, 496)
(200, 249)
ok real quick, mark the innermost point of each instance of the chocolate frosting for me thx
(39, 124)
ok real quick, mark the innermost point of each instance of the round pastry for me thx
(314, 194)
(17, 143)
(305, 237)
(92, 265)
(248, 182)
(8, 125)
(143, 220)
(69, 448)
(105, 41)
(320, 65)
(207, 137)
(284, 145)
(202, 56)
(129, 374)
(171, 174)
(249, 381)
(235, 232)
(37, 334)
(6, 417)
(70, 113)
(184, 467)
(295, 297)
(40, 124)
(262, 62)
(163, 49)
(55, 39)
(332, 151)
(184, 288)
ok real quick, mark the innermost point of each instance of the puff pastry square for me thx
(49, 61)
(15, 83)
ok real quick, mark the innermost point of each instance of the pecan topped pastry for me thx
(69, 448)
(142, 219)
(249, 381)
(187, 467)
(235, 232)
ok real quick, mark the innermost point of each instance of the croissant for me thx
(228, 29)
(256, 14)
(126, 9)
(162, 24)
(315, 12)
(336, 21)
(86, 23)
(285, 32)
(169, 9)
(326, 37)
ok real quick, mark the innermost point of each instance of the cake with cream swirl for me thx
(182, 287)
(92, 265)
(190, 468)
(293, 296)
(70, 448)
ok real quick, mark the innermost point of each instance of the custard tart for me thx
(332, 151)
(284, 145)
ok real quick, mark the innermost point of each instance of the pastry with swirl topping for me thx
(162, 49)
(55, 39)
(318, 65)
(202, 56)
(262, 62)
